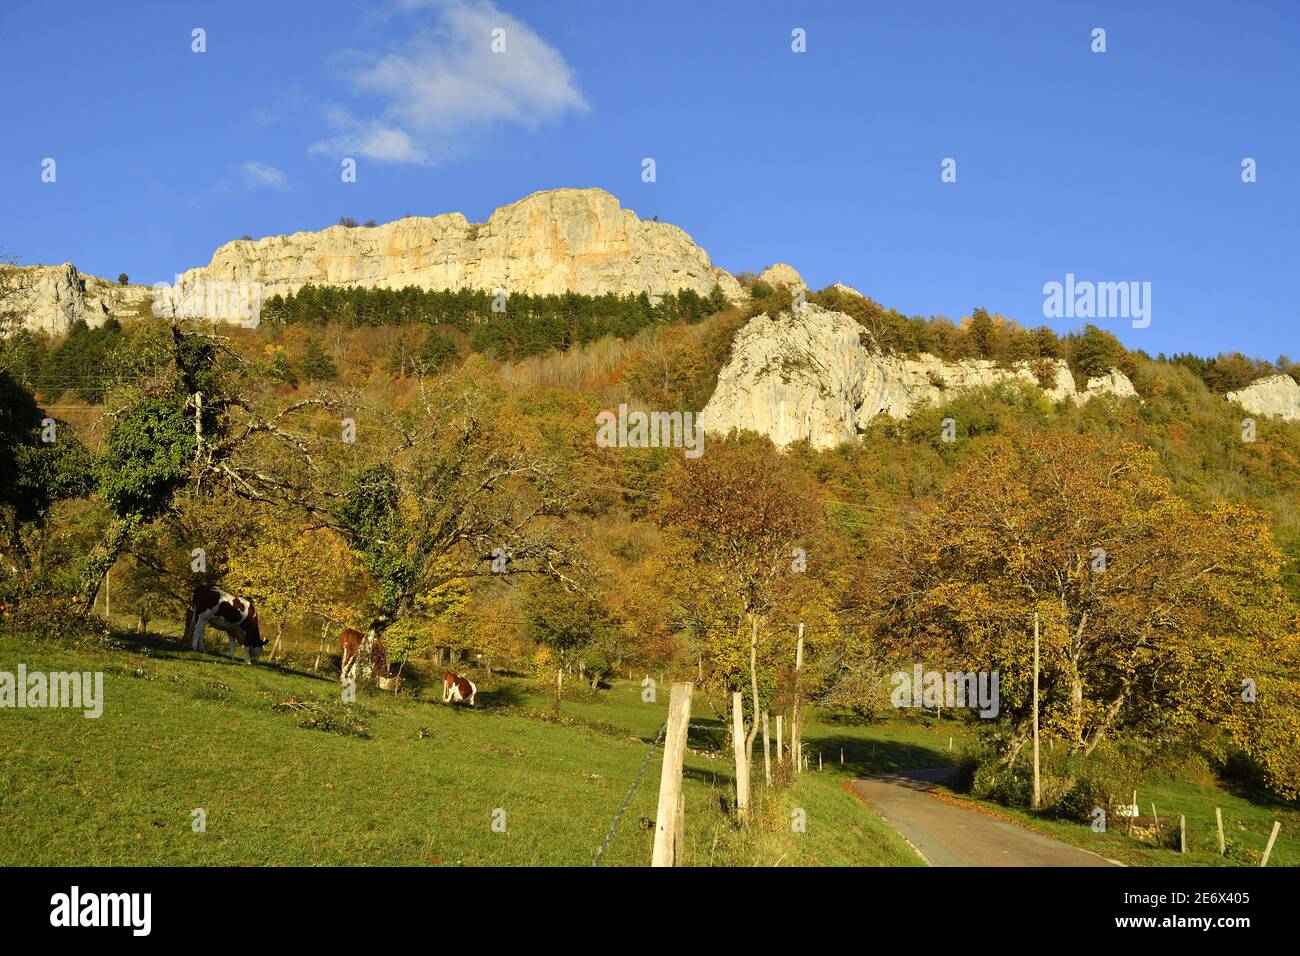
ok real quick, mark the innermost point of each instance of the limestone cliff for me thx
(1277, 396)
(50, 298)
(560, 240)
(816, 375)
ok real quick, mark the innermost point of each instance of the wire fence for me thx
(613, 826)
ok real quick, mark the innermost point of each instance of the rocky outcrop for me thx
(51, 298)
(780, 274)
(561, 240)
(1277, 396)
(817, 376)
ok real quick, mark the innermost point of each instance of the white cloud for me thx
(257, 173)
(447, 82)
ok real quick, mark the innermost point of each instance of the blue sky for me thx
(1115, 166)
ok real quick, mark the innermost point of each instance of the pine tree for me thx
(317, 365)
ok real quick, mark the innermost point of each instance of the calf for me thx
(235, 616)
(455, 687)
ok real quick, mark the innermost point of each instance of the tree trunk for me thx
(100, 560)
(753, 685)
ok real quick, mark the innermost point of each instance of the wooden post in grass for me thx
(1155, 818)
(1277, 825)
(841, 756)
(767, 753)
(819, 761)
(779, 753)
(1218, 819)
(670, 814)
(742, 758)
(796, 729)
(1182, 833)
(1038, 786)
(1133, 816)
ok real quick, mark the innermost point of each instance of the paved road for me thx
(947, 835)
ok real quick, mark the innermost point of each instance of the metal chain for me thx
(628, 799)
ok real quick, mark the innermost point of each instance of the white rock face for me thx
(1277, 396)
(817, 376)
(1114, 383)
(782, 274)
(51, 298)
(560, 240)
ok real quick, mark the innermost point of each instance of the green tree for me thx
(316, 364)
(1095, 352)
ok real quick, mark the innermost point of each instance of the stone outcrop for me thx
(51, 298)
(1277, 396)
(561, 240)
(817, 376)
(782, 274)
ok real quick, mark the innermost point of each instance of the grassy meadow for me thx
(182, 731)
(407, 781)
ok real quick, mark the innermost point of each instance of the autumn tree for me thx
(740, 511)
(455, 489)
(294, 573)
(1153, 611)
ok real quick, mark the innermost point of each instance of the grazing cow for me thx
(455, 687)
(236, 616)
(350, 641)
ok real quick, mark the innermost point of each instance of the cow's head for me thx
(253, 637)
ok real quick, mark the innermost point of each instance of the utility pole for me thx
(1038, 787)
(796, 726)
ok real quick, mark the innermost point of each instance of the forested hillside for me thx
(420, 464)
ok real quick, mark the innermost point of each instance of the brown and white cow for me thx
(237, 617)
(350, 641)
(455, 687)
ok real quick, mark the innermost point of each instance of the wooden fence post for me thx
(796, 730)
(767, 753)
(742, 761)
(670, 813)
(1182, 833)
(779, 752)
(1277, 825)
(1155, 818)
(1218, 819)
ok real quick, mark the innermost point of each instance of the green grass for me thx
(1247, 822)
(182, 731)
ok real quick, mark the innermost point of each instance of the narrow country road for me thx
(947, 835)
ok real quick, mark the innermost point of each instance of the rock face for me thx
(1277, 396)
(51, 298)
(817, 376)
(782, 274)
(561, 240)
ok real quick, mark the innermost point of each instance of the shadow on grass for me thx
(165, 647)
(862, 758)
